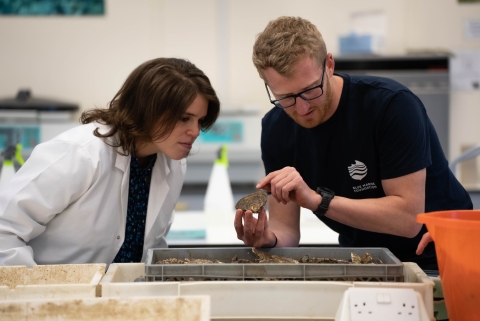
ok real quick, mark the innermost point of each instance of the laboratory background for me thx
(83, 60)
(77, 62)
(73, 63)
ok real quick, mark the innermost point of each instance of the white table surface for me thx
(313, 231)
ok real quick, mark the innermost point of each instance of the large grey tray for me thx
(391, 270)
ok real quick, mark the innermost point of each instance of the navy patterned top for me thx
(138, 190)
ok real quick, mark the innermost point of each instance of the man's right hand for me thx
(254, 231)
(287, 185)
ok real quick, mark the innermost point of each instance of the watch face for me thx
(325, 191)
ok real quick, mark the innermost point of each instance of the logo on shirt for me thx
(358, 170)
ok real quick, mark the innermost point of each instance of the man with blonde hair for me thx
(358, 151)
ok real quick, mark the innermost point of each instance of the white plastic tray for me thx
(168, 308)
(119, 282)
(68, 281)
(240, 300)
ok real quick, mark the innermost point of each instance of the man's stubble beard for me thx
(326, 104)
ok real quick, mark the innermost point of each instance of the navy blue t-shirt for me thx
(379, 131)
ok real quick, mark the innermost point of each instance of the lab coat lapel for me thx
(123, 164)
(158, 190)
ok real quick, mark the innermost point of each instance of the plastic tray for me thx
(165, 308)
(391, 270)
(300, 299)
(120, 277)
(51, 281)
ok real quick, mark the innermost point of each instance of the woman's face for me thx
(180, 141)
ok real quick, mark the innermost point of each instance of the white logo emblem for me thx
(358, 170)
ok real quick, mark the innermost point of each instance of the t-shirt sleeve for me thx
(403, 136)
(267, 158)
(275, 142)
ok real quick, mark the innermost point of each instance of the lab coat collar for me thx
(159, 189)
(122, 162)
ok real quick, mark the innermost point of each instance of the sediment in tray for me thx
(264, 257)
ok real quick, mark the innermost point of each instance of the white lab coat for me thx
(68, 202)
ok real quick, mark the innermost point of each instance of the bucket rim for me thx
(452, 218)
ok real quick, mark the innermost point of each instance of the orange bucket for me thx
(457, 243)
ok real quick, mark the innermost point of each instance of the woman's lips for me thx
(187, 145)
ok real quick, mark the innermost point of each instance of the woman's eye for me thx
(185, 119)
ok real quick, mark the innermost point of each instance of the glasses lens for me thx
(312, 93)
(286, 102)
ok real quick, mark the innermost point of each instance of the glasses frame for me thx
(276, 102)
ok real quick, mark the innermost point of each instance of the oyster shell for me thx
(264, 257)
(366, 259)
(307, 259)
(253, 202)
(356, 259)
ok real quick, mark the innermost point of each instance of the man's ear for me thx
(330, 65)
(260, 74)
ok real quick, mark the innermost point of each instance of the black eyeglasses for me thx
(309, 94)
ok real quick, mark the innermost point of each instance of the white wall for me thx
(439, 24)
(78, 59)
(86, 59)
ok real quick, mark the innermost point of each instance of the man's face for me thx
(306, 74)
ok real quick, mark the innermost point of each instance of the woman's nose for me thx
(195, 130)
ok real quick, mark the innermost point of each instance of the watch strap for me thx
(327, 196)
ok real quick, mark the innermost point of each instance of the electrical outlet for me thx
(392, 304)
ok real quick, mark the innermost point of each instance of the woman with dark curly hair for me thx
(105, 191)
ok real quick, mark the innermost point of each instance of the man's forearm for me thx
(286, 236)
(389, 214)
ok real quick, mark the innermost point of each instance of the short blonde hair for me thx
(284, 41)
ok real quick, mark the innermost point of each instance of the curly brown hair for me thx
(151, 102)
(286, 40)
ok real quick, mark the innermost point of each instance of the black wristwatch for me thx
(327, 196)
